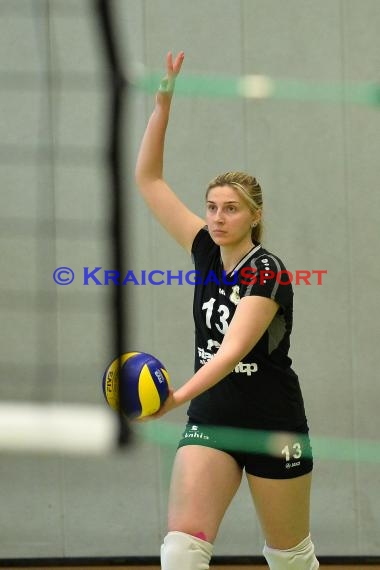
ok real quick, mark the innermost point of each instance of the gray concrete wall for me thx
(318, 165)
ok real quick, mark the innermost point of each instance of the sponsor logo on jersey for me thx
(235, 295)
(212, 344)
(247, 368)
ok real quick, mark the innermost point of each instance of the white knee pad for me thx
(181, 551)
(301, 557)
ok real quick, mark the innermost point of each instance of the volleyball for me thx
(136, 384)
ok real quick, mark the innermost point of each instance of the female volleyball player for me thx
(243, 376)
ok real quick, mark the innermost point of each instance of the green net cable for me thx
(264, 87)
(166, 433)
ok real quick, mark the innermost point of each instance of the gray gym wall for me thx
(318, 166)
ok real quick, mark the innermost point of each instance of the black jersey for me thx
(262, 391)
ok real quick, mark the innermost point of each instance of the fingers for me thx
(173, 68)
(178, 62)
(169, 63)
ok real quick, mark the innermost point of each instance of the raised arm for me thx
(174, 216)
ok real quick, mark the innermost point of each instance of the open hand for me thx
(166, 88)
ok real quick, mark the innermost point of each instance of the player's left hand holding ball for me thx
(169, 405)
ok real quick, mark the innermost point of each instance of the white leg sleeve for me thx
(301, 557)
(181, 551)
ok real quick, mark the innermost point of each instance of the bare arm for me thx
(251, 319)
(174, 216)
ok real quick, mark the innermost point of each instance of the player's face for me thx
(228, 217)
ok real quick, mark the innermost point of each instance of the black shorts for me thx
(270, 454)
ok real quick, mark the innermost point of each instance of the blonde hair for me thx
(249, 189)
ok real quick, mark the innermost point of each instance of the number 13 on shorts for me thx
(293, 452)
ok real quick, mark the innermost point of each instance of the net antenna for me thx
(118, 90)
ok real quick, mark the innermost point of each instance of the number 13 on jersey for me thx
(224, 312)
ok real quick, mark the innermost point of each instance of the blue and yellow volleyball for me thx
(136, 384)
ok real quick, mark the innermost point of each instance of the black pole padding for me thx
(116, 158)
